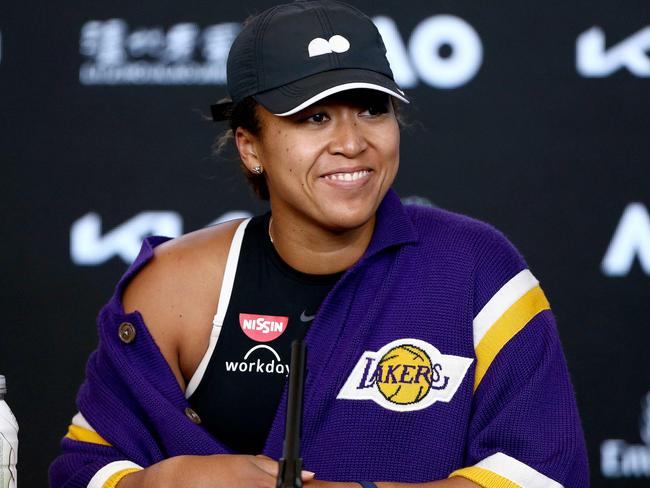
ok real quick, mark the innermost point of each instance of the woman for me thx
(433, 358)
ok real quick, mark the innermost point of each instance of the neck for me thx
(310, 248)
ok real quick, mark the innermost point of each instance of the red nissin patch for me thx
(262, 328)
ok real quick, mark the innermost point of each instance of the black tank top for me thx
(238, 385)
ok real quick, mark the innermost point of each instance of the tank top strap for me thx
(222, 305)
(229, 274)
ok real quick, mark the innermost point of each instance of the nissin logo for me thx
(631, 240)
(594, 60)
(262, 328)
(405, 375)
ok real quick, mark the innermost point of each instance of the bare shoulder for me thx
(177, 294)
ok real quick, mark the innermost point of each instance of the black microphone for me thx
(289, 475)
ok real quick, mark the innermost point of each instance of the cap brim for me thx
(292, 98)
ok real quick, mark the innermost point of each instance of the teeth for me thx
(347, 176)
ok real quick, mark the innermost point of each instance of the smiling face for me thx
(330, 164)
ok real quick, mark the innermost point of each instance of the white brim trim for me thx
(340, 88)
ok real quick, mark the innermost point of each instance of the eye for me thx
(375, 109)
(317, 118)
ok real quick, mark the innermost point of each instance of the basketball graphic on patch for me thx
(403, 374)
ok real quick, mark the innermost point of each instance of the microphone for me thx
(290, 464)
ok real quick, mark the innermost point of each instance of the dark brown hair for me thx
(244, 115)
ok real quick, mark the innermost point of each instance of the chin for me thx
(352, 213)
(347, 218)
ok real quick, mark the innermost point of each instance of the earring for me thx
(258, 170)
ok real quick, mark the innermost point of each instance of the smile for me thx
(356, 175)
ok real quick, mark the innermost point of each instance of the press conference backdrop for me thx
(532, 116)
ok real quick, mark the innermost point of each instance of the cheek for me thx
(287, 158)
(276, 148)
(390, 147)
(396, 141)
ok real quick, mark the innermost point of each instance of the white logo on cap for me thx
(336, 44)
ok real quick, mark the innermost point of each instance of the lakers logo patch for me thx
(405, 375)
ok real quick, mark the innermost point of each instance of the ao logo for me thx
(88, 247)
(423, 56)
(594, 60)
(631, 240)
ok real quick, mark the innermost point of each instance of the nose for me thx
(348, 138)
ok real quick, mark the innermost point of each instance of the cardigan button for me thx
(192, 415)
(126, 332)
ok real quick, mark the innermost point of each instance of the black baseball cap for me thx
(292, 55)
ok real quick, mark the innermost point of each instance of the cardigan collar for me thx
(393, 226)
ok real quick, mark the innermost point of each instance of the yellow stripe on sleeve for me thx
(82, 434)
(115, 478)
(506, 327)
(484, 478)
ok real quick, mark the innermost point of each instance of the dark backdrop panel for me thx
(541, 131)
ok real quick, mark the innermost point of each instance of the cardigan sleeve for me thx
(88, 461)
(119, 426)
(116, 440)
(525, 428)
(132, 412)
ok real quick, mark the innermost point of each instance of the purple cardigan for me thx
(395, 388)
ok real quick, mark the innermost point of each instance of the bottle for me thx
(8, 441)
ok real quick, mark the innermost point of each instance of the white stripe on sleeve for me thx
(80, 421)
(513, 290)
(109, 470)
(517, 472)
